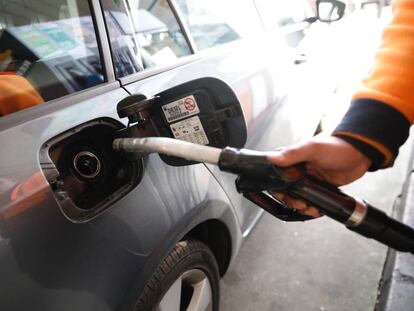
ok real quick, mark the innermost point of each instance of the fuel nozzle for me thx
(257, 176)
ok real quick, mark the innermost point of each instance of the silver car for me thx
(82, 227)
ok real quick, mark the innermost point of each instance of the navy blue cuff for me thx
(378, 122)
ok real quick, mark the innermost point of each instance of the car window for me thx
(280, 13)
(214, 22)
(143, 35)
(48, 49)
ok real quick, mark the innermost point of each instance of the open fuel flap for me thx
(204, 111)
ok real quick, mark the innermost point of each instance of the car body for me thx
(70, 242)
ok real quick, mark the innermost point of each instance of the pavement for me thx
(320, 265)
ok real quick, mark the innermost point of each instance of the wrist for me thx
(374, 128)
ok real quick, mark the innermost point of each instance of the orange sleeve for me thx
(382, 110)
(16, 93)
(391, 80)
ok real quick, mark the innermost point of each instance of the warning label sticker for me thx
(180, 109)
(190, 130)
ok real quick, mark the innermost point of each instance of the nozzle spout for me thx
(168, 146)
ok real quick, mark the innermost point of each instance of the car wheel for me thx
(187, 279)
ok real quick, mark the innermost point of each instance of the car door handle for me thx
(300, 59)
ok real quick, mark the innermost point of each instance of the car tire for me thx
(187, 279)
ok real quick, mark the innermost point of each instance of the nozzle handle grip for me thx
(274, 207)
(260, 174)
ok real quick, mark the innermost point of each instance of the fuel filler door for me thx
(204, 111)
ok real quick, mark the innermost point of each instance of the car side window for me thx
(48, 49)
(215, 22)
(279, 13)
(143, 35)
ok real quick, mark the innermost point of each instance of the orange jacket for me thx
(382, 110)
(16, 93)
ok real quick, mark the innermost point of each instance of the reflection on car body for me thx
(79, 223)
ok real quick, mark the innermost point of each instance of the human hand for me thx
(330, 159)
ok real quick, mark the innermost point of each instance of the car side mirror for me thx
(330, 10)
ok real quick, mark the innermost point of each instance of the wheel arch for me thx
(209, 223)
(216, 236)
